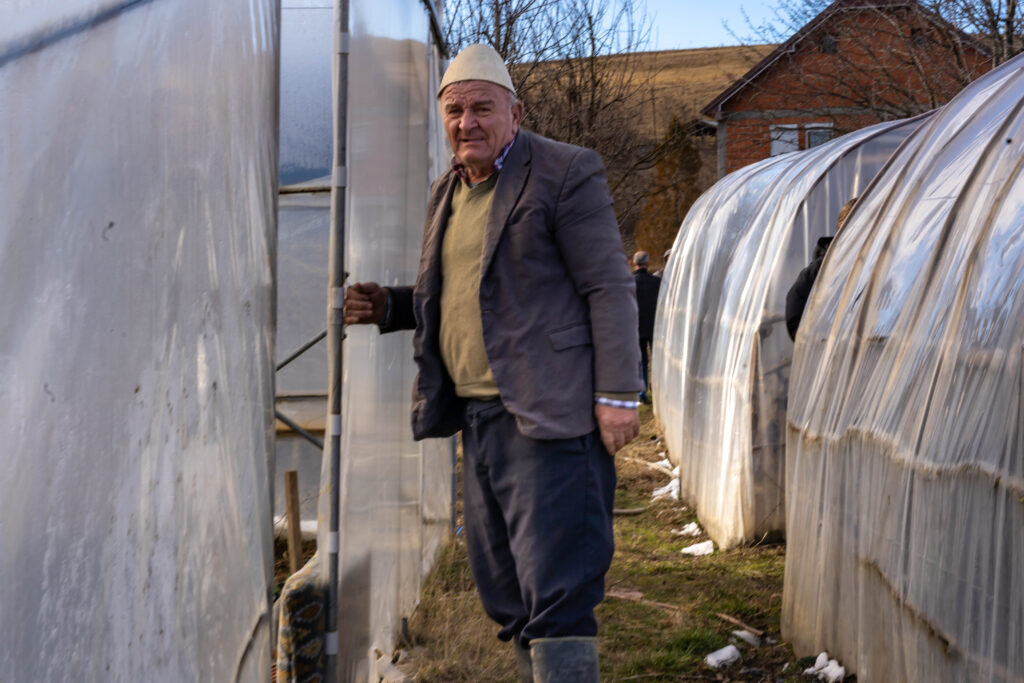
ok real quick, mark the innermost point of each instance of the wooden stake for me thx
(291, 500)
(737, 622)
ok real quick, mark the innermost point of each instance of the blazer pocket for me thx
(577, 335)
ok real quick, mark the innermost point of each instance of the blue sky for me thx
(698, 23)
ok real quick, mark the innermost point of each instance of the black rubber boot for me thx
(524, 662)
(565, 660)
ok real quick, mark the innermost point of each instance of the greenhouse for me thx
(721, 360)
(159, 268)
(394, 495)
(904, 458)
(137, 239)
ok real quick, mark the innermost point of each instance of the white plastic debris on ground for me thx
(669, 490)
(691, 530)
(699, 549)
(729, 654)
(664, 464)
(826, 669)
(747, 637)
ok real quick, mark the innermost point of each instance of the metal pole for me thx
(335, 324)
(435, 27)
(305, 347)
(292, 425)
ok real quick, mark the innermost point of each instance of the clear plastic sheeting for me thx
(304, 224)
(303, 235)
(905, 455)
(395, 493)
(307, 31)
(721, 360)
(137, 231)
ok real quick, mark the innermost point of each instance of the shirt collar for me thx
(460, 168)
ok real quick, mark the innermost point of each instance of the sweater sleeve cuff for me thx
(386, 320)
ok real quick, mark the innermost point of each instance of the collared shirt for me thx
(460, 168)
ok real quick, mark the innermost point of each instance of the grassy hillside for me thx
(685, 81)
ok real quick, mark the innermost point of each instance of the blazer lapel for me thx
(435, 231)
(511, 181)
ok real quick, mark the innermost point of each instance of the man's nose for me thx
(467, 121)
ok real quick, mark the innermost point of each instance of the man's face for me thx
(480, 120)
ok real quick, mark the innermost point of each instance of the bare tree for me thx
(996, 23)
(574, 67)
(675, 187)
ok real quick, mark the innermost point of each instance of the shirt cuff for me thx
(629, 404)
(617, 395)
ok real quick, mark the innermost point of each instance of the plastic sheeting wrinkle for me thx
(904, 456)
(948, 645)
(47, 37)
(247, 648)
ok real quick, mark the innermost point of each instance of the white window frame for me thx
(785, 137)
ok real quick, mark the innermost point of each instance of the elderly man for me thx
(525, 317)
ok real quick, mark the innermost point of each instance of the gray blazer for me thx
(556, 295)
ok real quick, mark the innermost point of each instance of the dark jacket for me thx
(647, 287)
(558, 306)
(800, 292)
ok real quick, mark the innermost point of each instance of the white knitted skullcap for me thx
(477, 63)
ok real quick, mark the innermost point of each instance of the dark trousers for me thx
(538, 519)
(644, 361)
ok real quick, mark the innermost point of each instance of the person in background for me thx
(800, 292)
(519, 308)
(664, 264)
(647, 287)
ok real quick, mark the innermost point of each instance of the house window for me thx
(784, 138)
(818, 134)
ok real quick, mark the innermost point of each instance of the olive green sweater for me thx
(462, 336)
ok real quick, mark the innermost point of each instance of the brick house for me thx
(856, 63)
